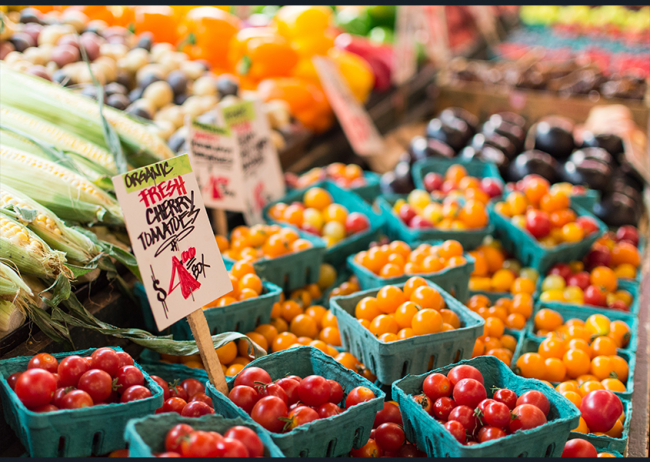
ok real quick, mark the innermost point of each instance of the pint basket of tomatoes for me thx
(541, 226)
(342, 219)
(77, 425)
(171, 435)
(362, 182)
(445, 263)
(437, 167)
(489, 412)
(236, 313)
(283, 256)
(265, 388)
(428, 328)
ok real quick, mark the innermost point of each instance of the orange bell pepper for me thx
(159, 20)
(101, 12)
(260, 54)
(124, 15)
(206, 32)
(307, 102)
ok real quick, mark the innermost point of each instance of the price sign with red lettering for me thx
(216, 160)
(357, 125)
(261, 172)
(181, 266)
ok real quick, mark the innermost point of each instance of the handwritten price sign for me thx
(357, 125)
(181, 266)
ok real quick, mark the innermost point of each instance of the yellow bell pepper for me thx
(294, 21)
(313, 44)
(356, 71)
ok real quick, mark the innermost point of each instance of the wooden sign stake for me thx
(201, 333)
(220, 221)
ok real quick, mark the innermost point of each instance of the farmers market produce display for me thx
(483, 298)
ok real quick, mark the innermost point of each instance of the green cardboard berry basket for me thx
(430, 435)
(397, 229)
(454, 280)
(475, 168)
(586, 200)
(337, 254)
(146, 436)
(527, 249)
(330, 437)
(393, 360)
(367, 192)
(294, 270)
(94, 430)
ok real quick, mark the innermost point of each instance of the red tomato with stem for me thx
(507, 397)
(425, 402)
(358, 395)
(465, 371)
(436, 386)
(178, 392)
(192, 387)
(70, 369)
(249, 438)
(268, 412)
(273, 389)
(245, 397)
(314, 390)
(390, 436)
(105, 359)
(290, 387)
(442, 408)
(466, 417)
(44, 361)
(300, 416)
(536, 398)
(97, 383)
(175, 437)
(497, 414)
(59, 394)
(127, 377)
(469, 392)
(525, 417)
(35, 387)
(250, 376)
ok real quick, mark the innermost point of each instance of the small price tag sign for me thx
(261, 173)
(216, 160)
(357, 124)
(181, 266)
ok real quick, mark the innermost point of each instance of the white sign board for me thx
(181, 266)
(262, 176)
(355, 121)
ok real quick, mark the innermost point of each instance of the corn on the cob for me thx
(68, 195)
(56, 136)
(79, 115)
(27, 251)
(48, 227)
(11, 317)
(11, 284)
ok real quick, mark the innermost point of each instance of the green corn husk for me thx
(47, 226)
(28, 252)
(69, 195)
(11, 317)
(56, 136)
(11, 284)
(79, 115)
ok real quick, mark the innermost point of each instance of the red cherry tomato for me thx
(35, 387)
(106, 360)
(12, 379)
(442, 407)
(469, 392)
(196, 409)
(459, 373)
(273, 389)
(580, 279)
(314, 390)
(134, 393)
(76, 399)
(168, 454)
(268, 412)
(174, 404)
(203, 398)
(497, 414)
(579, 448)
(536, 398)
(538, 223)
(507, 397)
(290, 387)
(457, 430)
(390, 436)
(328, 410)
(561, 269)
(200, 444)
(192, 387)
(525, 417)
(466, 417)
(125, 359)
(44, 361)
(370, 449)
(601, 409)
(389, 413)
(229, 447)
(358, 395)
(490, 433)
(178, 392)
(70, 369)
(175, 437)
(129, 376)
(245, 397)
(59, 393)
(249, 438)
(587, 224)
(97, 383)
(336, 392)
(164, 385)
(45, 408)
(251, 375)
(294, 377)
(355, 223)
(436, 386)
(301, 416)
(425, 402)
